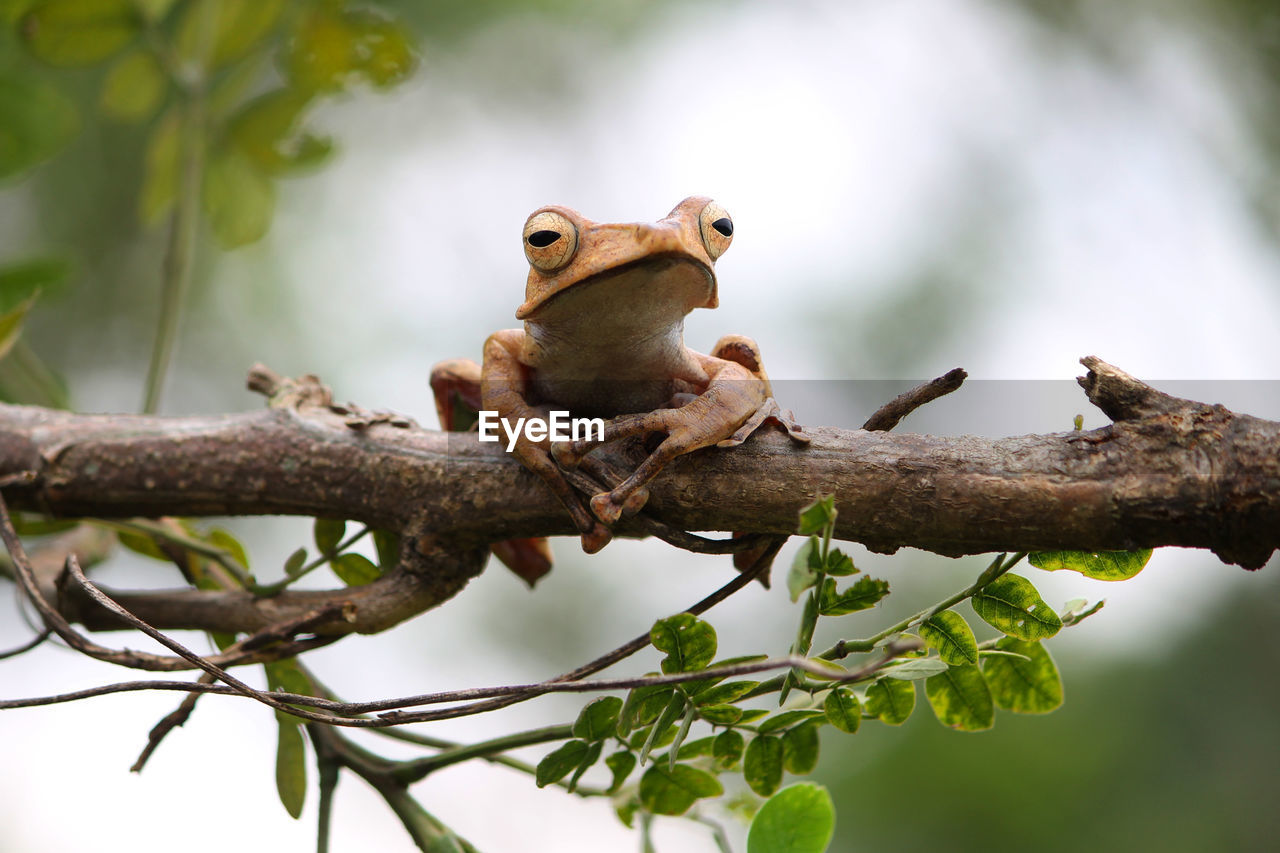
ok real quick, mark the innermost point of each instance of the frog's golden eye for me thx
(717, 229)
(550, 240)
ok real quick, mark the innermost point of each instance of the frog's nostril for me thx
(542, 239)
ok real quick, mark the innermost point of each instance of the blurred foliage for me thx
(1163, 753)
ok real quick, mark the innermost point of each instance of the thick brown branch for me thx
(1167, 472)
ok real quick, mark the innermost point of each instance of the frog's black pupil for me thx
(542, 239)
(724, 226)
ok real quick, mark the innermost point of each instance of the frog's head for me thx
(672, 259)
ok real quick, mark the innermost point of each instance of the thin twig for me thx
(168, 723)
(888, 415)
(496, 696)
(27, 646)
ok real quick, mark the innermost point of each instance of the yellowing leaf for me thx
(961, 699)
(1100, 565)
(133, 87)
(79, 32)
(1012, 605)
(238, 199)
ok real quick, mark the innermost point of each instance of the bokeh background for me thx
(1001, 185)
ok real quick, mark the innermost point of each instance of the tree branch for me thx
(1167, 472)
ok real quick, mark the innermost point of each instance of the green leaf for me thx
(33, 524)
(672, 790)
(730, 691)
(268, 132)
(142, 544)
(1099, 565)
(291, 768)
(560, 762)
(328, 532)
(689, 642)
(237, 27)
(38, 121)
(287, 676)
(620, 764)
(160, 169)
(817, 515)
(762, 764)
(750, 715)
(728, 748)
(592, 756)
(961, 699)
(798, 819)
(296, 561)
(133, 88)
(663, 726)
(329, 49)
(863, 594)
(21, 280)
(787, 719)
(355, 569)
(800, 748)
(79, 32)
(224, 540)
(640, 742)
(952, 637)
(805, 568)
(599, 719)
(720, 715)
(387, 544)
(1025, 686)
(843, 709)
(808, 622)
(642, 706)
(696, 748)
(1012, 605)
(891, 701)
(914, 670)
(238, 199)
(839, 564)
(11, 324)
(388, 55)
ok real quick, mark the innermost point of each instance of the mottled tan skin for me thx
(603, 336)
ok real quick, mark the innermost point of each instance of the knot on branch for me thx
(309, 392)
(1121, 397)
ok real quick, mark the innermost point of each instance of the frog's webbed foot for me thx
(770, 412)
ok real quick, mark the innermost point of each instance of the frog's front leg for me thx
(737, 399)
(456, 387)
(504, 388)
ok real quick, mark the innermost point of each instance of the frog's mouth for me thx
(634, 300)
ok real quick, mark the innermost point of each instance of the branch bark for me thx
(1168, 471)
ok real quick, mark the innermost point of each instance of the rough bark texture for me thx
(1166, 472)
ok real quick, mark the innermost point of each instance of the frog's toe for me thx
(566, 454)
(635, 501)
(596, 538)
(605, 508)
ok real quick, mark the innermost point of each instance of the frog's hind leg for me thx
(455, 384)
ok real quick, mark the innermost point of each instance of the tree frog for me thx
(603, 337)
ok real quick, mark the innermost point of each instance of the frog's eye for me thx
(550, 240)
(717, 229)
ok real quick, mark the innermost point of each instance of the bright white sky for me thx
(848, 140)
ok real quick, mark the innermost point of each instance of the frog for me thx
(603, 336)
